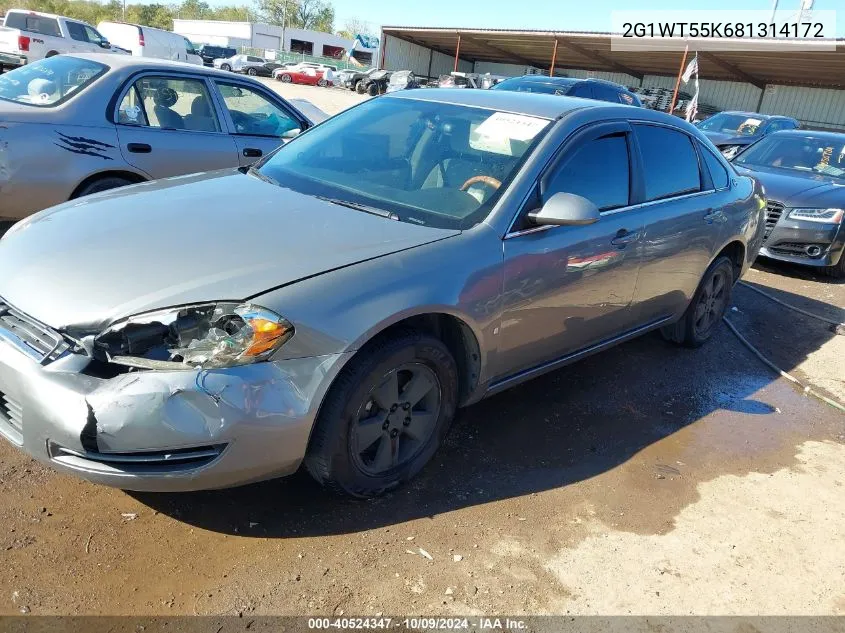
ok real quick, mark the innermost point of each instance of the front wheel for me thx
(385, 415)
(225, 67)
(285, 78)
(372, 90)
(251, 72)
(708, 306)
(360, 88)
(322, 83)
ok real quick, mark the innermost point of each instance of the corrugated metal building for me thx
(807, 85)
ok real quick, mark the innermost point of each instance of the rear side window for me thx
(33, 24)
(605, 93)
(598, 171)
(255, 59)
(718, 173)
(670, 164)
(50, 81)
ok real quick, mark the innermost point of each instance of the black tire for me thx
(695, 328)
(225, 67)
(837, 271)
(251, 72)
(322, 83)
(51, 54)
(360, 88)
(335, 457)
(285, 78)
(102, 184)
(372, 90)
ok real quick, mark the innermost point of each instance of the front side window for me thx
(428, 163)
(50, 81)
(254, 114)
(598, 171)
(169, 103)
(799, 153)
(93, 36)
(670, 164)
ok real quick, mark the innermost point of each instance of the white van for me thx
(145, 41)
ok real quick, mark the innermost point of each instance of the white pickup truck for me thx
(29, 36)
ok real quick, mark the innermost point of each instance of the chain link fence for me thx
(281, 57)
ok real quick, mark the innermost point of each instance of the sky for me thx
(569, 15)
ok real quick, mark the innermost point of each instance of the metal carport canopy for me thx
(781, 62)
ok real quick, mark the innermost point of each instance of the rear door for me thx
(257, 120)
(169, 125)
(567, 288)
(684, 220)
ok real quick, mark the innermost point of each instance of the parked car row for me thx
(336, 302)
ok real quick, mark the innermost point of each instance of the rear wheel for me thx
(251, 72)
(51, 54)
(103, 184)
(322, 83)
(708, 306)
(360, 88)
(385, 415)
(225, 67)
(372, 90)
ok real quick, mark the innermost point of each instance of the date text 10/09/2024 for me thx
(419, 623)
(800, 30)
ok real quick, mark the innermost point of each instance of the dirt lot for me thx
(646, 480)
(331, 100)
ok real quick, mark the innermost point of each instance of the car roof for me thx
(530, 103)
(568, 81)
(757, 115)
(145, 63)
(836, 137)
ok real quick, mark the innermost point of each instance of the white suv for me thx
(239, 63)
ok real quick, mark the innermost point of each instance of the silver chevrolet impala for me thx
(335, 304)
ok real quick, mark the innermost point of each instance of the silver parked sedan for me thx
(338, 302)
(75, 125)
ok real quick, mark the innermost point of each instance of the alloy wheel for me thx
(396, 420)
(711, 303)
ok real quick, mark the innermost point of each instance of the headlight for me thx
(824, 216)
(209, 336)
(729, 151)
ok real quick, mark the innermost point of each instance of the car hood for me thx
(205, 237)
(721, 138)
(801, 190)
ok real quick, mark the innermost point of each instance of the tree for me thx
(314, 15)
(355, 26)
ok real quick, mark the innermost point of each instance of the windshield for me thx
(736, 124)
(49, 81)
(428, 163)
(518, 84)
(807, 154)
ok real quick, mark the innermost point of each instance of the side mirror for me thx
(566, 209)
(105, 44)
(291, 133)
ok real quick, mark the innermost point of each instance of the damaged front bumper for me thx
(163, 430)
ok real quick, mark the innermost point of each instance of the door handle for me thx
(139, 148)
(624, 237)
(252, 152)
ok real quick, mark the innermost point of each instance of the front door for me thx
(567, 288)
(259, 123)
(169, 126)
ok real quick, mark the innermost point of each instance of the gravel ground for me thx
(646, 480)
(331, 100)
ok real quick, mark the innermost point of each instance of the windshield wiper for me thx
(361, 207)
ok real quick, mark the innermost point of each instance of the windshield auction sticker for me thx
(496, 132)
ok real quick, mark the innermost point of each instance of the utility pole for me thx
(284, 23)
(124, 11)
(774, 10)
